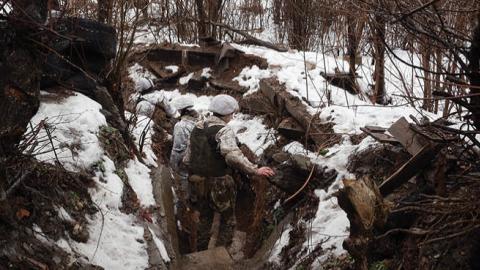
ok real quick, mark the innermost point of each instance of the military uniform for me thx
(181, 137)
(215, 183)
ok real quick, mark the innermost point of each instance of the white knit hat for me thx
(223, 105)
(183, 102)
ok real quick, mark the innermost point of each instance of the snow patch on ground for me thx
(117, 235)
(206, 73)
(250, 78)
(116, 239)
(172, 68)
(139, 178)
(73, 124)
(279, 244)
(184, 80)
(252, 132)
(160, 246)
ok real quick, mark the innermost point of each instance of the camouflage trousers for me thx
(218, 194)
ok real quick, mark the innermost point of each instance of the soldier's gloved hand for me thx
(265, 171)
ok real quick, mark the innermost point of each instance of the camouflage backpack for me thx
(205, 157)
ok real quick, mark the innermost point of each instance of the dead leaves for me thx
(22, 213)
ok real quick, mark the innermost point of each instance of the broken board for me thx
(378, 133)
(412, 141)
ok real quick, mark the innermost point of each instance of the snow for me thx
(117, 235)
(206, 72)
(73, 123)
(120, 242)
(64, 215)
(116, 239)
(172, 68)
(279, 244)
(184, 80)
(252, 132)
(160, 246)
(139, 178)
(250, 78)
(350, 120)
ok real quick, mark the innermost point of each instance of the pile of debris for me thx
(422, 214)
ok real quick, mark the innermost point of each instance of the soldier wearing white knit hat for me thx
(212, 154)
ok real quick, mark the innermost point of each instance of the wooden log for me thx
(366, 210)
(342, 80)
(379, 136)
(284, 100)
(225, 85)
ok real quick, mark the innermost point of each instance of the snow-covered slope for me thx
(116, 239)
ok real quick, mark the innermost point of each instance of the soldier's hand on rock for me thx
(265, 171)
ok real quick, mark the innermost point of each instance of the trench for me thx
(216, 258)
(257, 225)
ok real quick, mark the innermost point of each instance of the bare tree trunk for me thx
(104, 11)
(277, 11)
(181, 27)
(202, 25)
(438, 60)
(214, 10)
(352, 45)
(297, 26)
(379, 46)
(427, 83)
(474, 74)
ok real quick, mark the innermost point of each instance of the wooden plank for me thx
(380, 137)
(376, 129)
(411, 140)
(412, 167)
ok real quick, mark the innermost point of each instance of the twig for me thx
(19, 180)
(404, 16)
(101, 231)
(249, 38)
(144, 135)
(302, 187)
(53, 146)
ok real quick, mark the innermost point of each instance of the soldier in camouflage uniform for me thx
(212, 154)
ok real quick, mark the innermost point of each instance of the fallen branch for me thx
(249, 39)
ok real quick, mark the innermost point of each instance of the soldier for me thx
(212, 154)
(181, 138)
